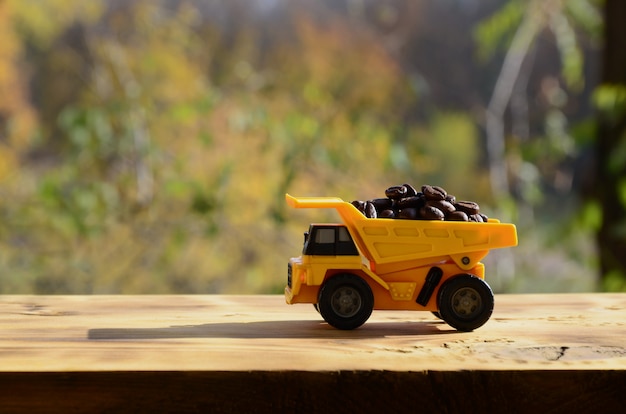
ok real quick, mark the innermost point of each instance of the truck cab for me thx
(329, 240)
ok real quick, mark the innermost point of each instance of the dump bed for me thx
(384, 241)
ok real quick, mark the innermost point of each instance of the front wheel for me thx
(465, 302)
(346, 301)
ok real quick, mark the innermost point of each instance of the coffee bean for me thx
(410, 190)
(476, 217)
(442, 205)
(479, 218)
(457, 216)
(415, 202)
(431, 213)
(433, 192)
(396, 192)
(451, 199)
(468, 207)
(409, 213)
(382, 203)
(387, 214)
(432, 203)
(360, 205)
(370, 210)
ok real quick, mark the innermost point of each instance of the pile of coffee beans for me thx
(431, 203)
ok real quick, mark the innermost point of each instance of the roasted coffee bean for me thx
(370, 210)
(360, 205)
(410, 190)
(431, 213)
(387, 214)
(442, 205)
(415, 202)
(476, 217)
(382, 203)
(409, 213)
(432, 203)
(451, 199)
(457, 216)
(396, 192)
(433, 192)
(468, 207)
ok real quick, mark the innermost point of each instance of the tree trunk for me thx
(611, 152)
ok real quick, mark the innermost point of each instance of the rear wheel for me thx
(346, 301)
(465, 302)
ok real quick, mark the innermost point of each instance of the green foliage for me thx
(590, 216)
(495, 33)
(173, 153)
(41, 22)
(562, 18)
(610, 100)
(586, 14)
(614, 282)
(167, 135)
(571, 54)
(425, 159)
(621, 190)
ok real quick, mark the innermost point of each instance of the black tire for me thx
(465, 302)
(317, 307)
(345, 301)
(437, 314)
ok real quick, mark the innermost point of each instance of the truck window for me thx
(344, 236)
(345, 245)
(323, 236)
(329, 241)
(321, 241)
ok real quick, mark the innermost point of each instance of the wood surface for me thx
(557, 353)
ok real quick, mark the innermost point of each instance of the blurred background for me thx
(146, 146)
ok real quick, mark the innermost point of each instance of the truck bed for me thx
(385, 241)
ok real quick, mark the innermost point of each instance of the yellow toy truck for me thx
(347, 270)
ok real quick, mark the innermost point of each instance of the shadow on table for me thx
(274, 329)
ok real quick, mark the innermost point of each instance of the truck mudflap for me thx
(432, 280)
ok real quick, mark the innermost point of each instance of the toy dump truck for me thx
(347, 270)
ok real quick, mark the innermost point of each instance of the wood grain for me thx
(566, 352)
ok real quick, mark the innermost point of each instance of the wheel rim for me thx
(466, 302)
(346, 302)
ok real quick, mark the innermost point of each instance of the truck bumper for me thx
(307, 294)
(288, 295)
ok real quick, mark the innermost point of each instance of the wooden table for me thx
(538, 353)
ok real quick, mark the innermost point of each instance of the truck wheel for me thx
(465, 302)
(346, 301)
